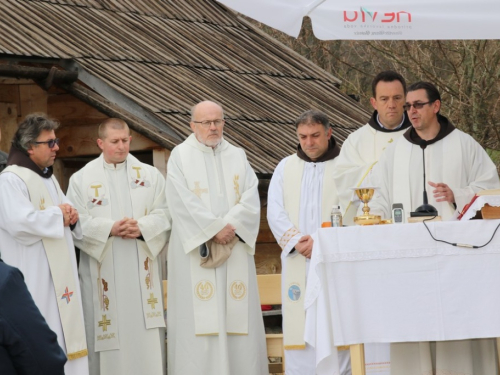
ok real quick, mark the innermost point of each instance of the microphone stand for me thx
(425, 209)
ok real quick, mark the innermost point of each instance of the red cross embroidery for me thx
(67, 295)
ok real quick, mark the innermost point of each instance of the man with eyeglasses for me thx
(214, 321)
(362, 148)
(125, 221)
(457, 167)
(37, 225)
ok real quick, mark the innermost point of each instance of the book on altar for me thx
(492, 212)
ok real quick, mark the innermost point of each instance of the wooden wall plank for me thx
(9, 93)
(8, 123)
(82, 141)
(265, 235)
(70, 111)
(160, 159)
(32, 99)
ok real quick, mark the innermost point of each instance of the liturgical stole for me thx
(103, 278)
(204, 285)
(295, 279)
(60, 265)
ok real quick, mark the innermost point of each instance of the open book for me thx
(478, 194)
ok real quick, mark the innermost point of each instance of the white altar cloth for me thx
(394, 283)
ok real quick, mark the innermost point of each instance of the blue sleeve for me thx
(25, 337)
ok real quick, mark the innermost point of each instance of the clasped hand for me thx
(126, 228)
(305, 245)
(225, 235)
(70, 214)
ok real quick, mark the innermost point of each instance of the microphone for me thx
(425, 209)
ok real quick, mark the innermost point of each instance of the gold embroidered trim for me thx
(207, 334)
(295, 347)
(79, 354)
(289, 234)
(236, 188)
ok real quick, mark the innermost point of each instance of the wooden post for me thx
(8, 123)
(160, 159)
(358, 359)
(58, 170)
(498, 352)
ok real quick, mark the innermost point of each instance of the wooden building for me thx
(148, 62)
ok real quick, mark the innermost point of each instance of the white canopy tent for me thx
(378, 19)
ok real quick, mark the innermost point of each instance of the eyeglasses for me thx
(51, 142)
(417, 105)
(207, 123)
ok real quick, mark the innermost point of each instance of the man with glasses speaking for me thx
(457, 167)
(36, 225)
(214, 322)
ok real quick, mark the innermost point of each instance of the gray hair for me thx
(312, 117)
(30, 128)
(193, 108)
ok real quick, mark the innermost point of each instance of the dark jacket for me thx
(3, 160)
(27, 344)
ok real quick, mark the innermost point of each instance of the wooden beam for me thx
(16, 81)
(82, 141)
(54, 74)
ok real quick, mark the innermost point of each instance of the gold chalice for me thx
(365, 194)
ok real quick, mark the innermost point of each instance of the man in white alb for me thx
(362, 148)
(214, 320)
(457, 167)
(36, 226)
(359, 153)
(301, 195)
(125, 221)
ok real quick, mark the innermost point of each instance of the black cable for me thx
(458, 244)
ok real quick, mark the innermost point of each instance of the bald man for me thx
(214, 322)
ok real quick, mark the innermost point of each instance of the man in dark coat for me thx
(27, 345)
